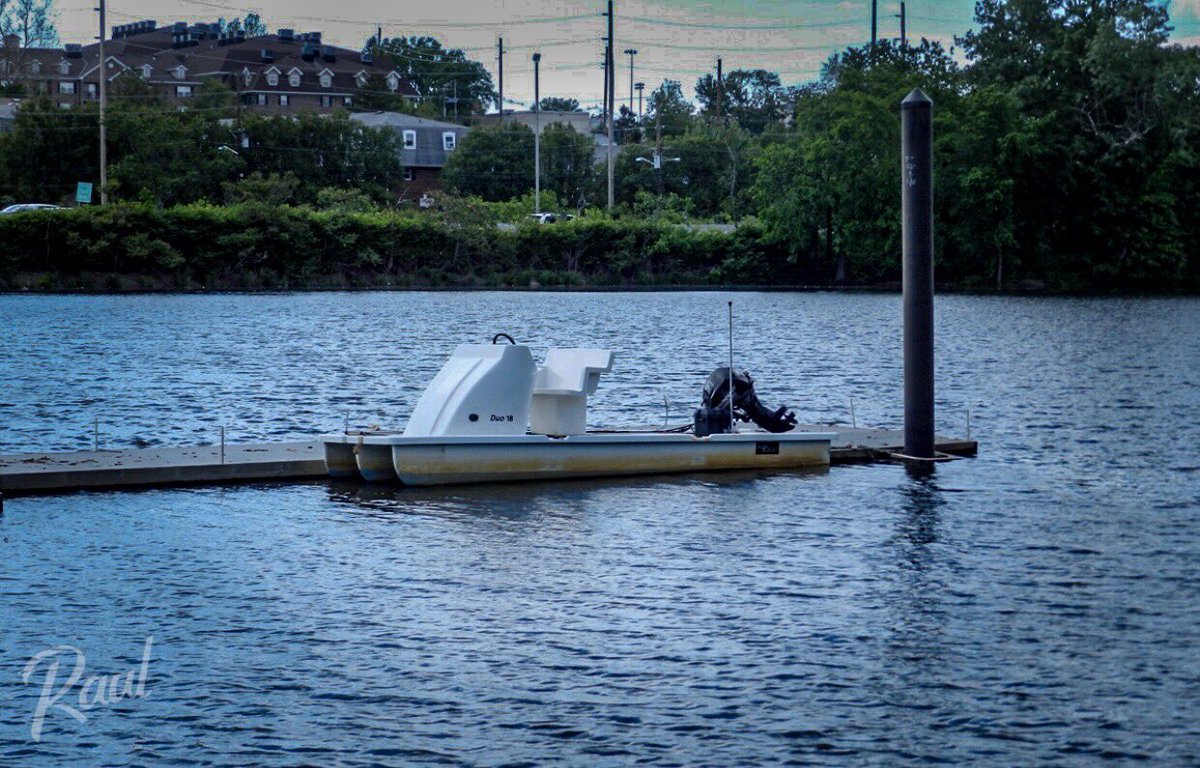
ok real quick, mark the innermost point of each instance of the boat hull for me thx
(456, 460)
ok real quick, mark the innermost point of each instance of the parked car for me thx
(550, 218)
(24, 207)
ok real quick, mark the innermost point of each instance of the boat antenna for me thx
(731, 366)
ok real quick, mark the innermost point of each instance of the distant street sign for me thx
(83, 193)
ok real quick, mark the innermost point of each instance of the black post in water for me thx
(916, 149)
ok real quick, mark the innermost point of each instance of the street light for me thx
(656, 161)
(631, 52)
(640, 87)
(537, 135)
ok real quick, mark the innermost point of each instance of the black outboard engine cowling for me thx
(713, 416)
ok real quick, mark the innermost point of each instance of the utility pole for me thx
(903, 26)
(604, 109)
(103, 128)
(537, 135)
(874, 13)
(632, 52)
(640, 87)
(500, 59)
(611, 99)
(379, 36)
(720, 88)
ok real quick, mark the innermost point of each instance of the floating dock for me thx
(29, 474)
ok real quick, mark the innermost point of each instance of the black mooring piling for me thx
(916, 149)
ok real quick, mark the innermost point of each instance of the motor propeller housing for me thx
(713, 416)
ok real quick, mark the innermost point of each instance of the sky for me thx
(675, 39)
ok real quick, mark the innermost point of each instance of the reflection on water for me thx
(1029, 607)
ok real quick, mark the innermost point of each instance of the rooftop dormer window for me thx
(35, 67)
(64, 67)
(294, 78)
(247, 78)
(272, 78)
(393, 82)
(180, 72)
(146, 70)
(361, 79)
(326, 79)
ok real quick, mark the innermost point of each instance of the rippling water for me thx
(1037, 605)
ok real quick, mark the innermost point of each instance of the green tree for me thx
(559, 104)
(440, 73)
(493, 163)
(568, 162)
(668, 110)
(754, 98)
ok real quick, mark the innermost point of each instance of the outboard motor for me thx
(713, 416)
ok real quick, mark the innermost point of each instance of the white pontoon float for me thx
(493, 415)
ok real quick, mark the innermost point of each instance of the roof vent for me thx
(287, 35)
(267, 55)
(329, 53)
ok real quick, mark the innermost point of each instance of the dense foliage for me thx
(257, 245)
(1067, 155)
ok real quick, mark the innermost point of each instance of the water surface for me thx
(1037, 605)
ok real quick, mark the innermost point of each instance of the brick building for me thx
(278, 73)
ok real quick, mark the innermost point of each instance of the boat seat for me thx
(561, 388)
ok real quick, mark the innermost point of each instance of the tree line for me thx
(1067, 152)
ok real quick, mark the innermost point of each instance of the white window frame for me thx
(180, 72)
(284, 100)
(393, 82)
(449, 141)
(64, 67)
(326, 101)
(326, 80)
(272, 79)
(260, 99)
(66, 87)
(410, 139)
(409, 175)
(294, 79)
(91, 90)
(146, 71)
(184, 91)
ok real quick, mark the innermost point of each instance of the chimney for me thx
(287, 35)
(308, 52)
(328, 53)
(73, 50)
(366, 58)
(268, 55)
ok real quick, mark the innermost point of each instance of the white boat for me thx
(492, 415)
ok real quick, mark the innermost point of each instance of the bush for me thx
(257, 245)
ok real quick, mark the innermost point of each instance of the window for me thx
(294, 79)
(92, 90)
(347, 101)
(260, 99)
(146, 71)
(410, 139)
(326, 101)
(35, 67)
(65, 104)
(284, 99)
(66, 87)
(183, 91)
(326, 79)
(247, 78)
(180, 72)
(393, 82)
(272, 79)
(64, 67)
(361, 79)
(408, 174)
(449, 140)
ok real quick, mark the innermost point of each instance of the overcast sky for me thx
(677, 39)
